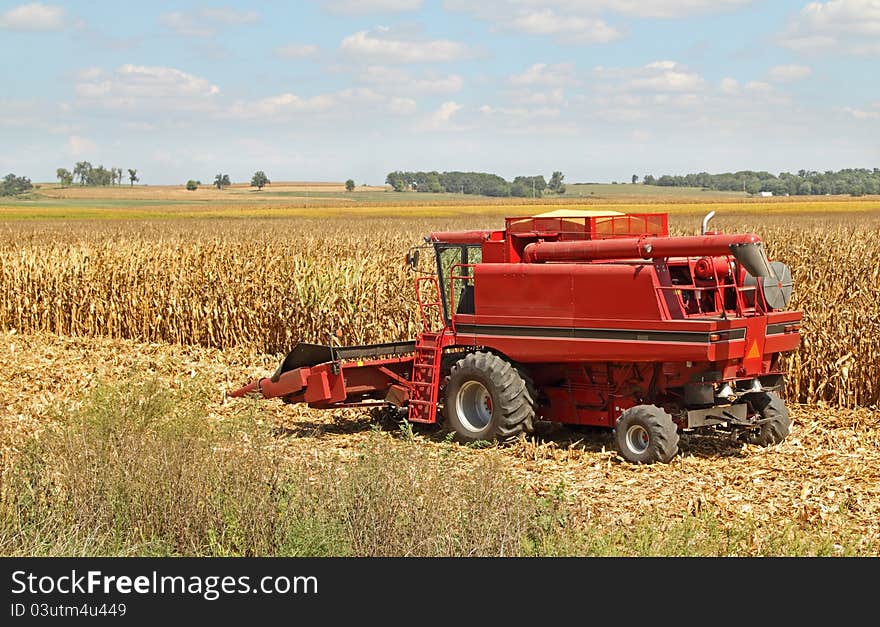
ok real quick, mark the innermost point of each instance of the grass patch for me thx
(144, 470)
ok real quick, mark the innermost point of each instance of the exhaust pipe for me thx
(705, 224)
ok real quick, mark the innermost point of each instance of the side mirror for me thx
(412, 259)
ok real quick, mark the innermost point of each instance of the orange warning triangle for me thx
(753, 351)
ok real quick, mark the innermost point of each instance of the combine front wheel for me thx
(646, 434)
(488, 399)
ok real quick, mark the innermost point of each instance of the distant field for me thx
(149, 210)
(312, 199)
(608, 190)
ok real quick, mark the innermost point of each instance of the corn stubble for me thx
(268, 284)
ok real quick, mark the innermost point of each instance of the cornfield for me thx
(268, 284)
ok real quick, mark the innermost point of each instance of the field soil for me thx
(825, 476)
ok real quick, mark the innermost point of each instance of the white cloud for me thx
(660, 76)
(441, 118)
(672, 8)
(789, 73)
(296, 51)
(758, 86)
(847, 26)
(630, 8)
(542, 121)
(185, 24)
(381, 44)
(519, 112)
(729, 86)
(402, 106)
(225, 15)
(79, 146)
(578, 21)
(346, 103)
(135, 86)
(33, 17)
(554, 97)
(559, 74)
(90, 74)
(399, 80)
(282, 105)
(568, 28)
(371, 6)
(205, 22)
(862, 114)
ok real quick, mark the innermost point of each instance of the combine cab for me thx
(584, 319)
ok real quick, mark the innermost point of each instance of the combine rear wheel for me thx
(775, 424)
(646, 434)
(488, 399)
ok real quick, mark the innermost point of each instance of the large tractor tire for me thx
(487, 398)
(772, 409)
(646, 434)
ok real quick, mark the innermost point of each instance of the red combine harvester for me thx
(590, 319)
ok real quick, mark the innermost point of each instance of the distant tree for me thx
(221, 181)
(99, 176)
(649, 179)
(12, 185)
(132, 176)
(349, 185)
(556, 182)
(432, 183)
(64, 176)
(192, 185)
(520, 190)
(81, 170)
(396, 180)
(259, 180)
(534, 186)
(803, 182)
(635, 178)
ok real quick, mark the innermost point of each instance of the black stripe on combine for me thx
(777, 328)
(690, 337)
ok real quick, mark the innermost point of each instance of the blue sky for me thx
(326, 90)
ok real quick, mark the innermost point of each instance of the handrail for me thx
(424, 305)
(721, 289)
(452, 279)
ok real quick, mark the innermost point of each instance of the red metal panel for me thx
(756, 332)
(525, 290)
(569, 350)
(781, 343)
(493, 252)
(563, 292)
(317, 387)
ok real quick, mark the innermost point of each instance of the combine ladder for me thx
(429, 350)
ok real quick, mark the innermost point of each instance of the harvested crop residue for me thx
(827, 474)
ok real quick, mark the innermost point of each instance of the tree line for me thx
(853, 181)
(87, 174)
(479, 183)
(12, 185)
